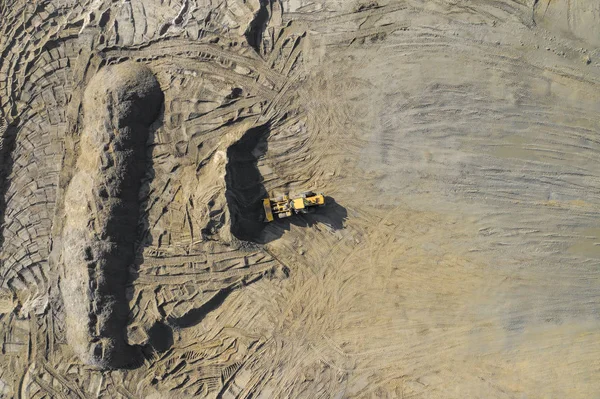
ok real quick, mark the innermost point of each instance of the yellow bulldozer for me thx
(284, 206)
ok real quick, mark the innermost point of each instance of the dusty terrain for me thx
(457, 143)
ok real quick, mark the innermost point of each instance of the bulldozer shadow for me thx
(332, 215)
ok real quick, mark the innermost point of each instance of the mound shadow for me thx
(160, 334)
(7, 146)
(196, 315)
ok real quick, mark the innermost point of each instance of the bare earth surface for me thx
(458, 255)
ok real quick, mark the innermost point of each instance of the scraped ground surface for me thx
(457, 141)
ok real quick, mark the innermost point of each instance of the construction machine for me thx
(285, 206)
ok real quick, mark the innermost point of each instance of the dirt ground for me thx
(456, 141)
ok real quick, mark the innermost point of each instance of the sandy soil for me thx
(457, 144)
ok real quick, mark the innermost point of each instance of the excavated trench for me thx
(244, 188)
(257, 26)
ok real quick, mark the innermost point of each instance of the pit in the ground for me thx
(244, 184)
